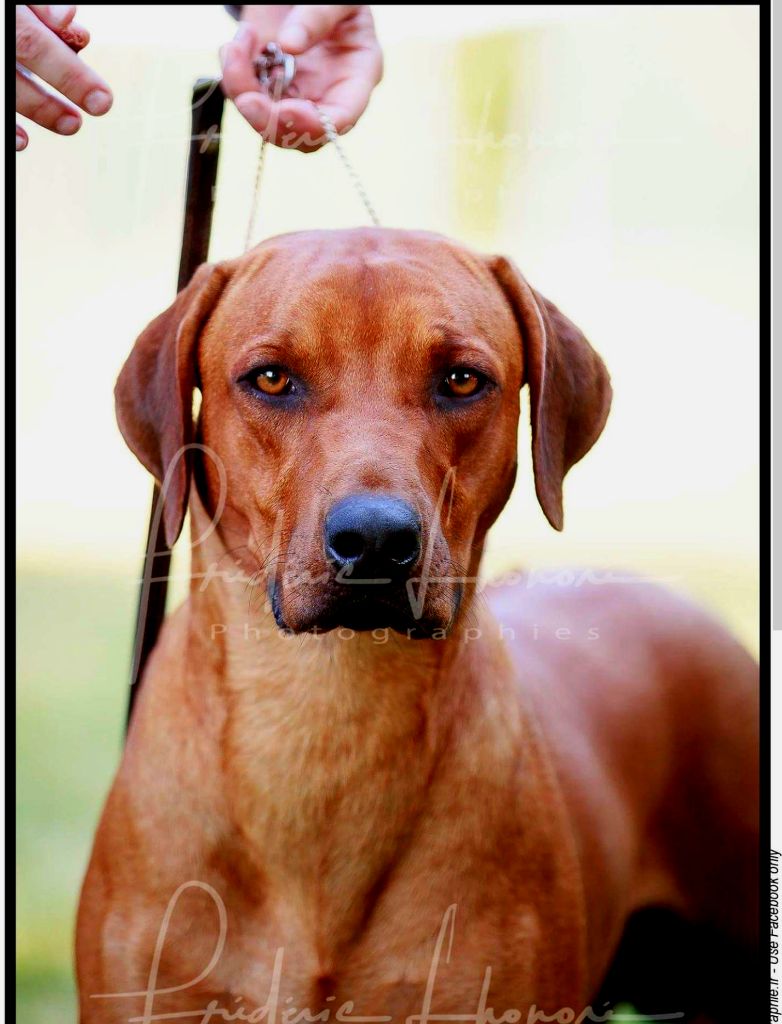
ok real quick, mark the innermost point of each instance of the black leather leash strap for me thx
(207, 114)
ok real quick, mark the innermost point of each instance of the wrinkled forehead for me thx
(356, 285)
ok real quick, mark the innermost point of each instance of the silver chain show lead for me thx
(271, 60)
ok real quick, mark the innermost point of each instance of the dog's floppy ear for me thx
(154, 391)
(569, 386)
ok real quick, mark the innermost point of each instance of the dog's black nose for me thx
(372, 536)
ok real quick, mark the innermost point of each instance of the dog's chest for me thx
(432, 943)
(326, 786)
(387, 877)
(474, 903)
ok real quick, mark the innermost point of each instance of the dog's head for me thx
(361, 391)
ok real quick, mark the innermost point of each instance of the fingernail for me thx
(242, 33)
(97, 102)
(251, 108)
(21, 141)
(293, 38)
(67, 124)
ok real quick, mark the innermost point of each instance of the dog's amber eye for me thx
(462, 383)
(271, 380)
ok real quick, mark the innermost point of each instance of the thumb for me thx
(307, 24)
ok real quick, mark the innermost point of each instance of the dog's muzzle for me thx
(372, 545)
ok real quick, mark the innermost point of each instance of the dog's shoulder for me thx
(649, 607)
(609, 655)
(623, 640)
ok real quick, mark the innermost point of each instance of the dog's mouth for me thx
(361, 609)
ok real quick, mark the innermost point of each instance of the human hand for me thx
(47, 43)
(338, 64)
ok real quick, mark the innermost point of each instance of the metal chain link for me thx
(271, 58)
(248, 238)
(333, 137)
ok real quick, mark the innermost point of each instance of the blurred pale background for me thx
(612, 152)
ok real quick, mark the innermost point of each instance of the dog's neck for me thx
(329, 742)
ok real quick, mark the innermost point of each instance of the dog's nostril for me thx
(348, 544)
(401, 546)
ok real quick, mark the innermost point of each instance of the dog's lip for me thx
(349, 612)
(364, 610)
(361, 616)
(274, 601)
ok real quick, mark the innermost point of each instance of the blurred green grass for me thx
(74, 634)
(73, 637)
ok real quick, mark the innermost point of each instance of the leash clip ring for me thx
(275, 68)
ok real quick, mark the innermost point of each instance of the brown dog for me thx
(372, 793)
